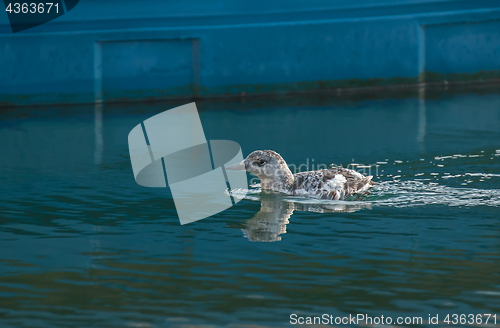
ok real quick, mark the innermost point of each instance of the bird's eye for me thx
(261, 162)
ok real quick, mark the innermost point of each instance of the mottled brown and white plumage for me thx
(334, 183)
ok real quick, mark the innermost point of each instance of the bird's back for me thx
(335, 183)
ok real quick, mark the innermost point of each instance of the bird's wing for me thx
(318, 184)
(335, 183)
(355, 181)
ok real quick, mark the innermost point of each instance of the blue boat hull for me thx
(102, 51)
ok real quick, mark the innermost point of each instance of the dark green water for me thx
(82, 245)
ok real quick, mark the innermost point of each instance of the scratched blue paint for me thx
(103, 50)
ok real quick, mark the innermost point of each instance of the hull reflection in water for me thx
(275, 211)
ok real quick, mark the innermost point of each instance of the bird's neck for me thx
(281, 181)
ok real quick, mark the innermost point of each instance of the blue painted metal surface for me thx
(110, 51)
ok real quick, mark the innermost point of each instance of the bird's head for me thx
(266, 164)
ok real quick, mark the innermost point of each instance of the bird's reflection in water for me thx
(270, 222)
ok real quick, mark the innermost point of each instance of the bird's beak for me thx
(237, 167)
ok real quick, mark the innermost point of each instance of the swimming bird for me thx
(335, 183)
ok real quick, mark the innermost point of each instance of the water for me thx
(82, 245)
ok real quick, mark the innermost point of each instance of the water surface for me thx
(82, 245)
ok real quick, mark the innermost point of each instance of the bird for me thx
(336, 183)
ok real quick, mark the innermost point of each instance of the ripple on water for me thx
(418, 193)
(404, 190)
(400, 194)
